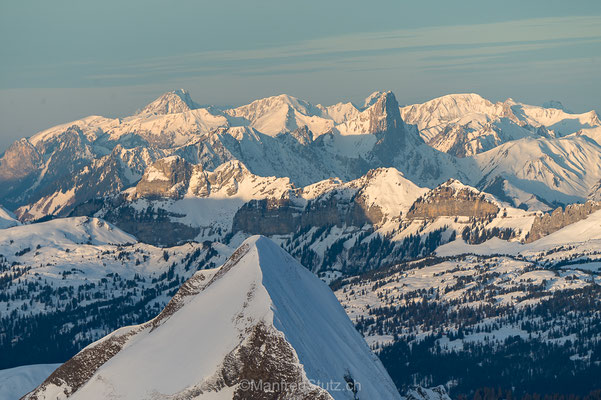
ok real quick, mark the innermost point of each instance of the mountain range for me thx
(456, 234)
(535, 157)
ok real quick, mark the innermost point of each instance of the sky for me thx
(65, 59)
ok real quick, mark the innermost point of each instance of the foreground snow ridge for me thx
(261, 326)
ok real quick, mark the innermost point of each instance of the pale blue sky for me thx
(62, 60)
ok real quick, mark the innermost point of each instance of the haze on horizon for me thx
(64, 60)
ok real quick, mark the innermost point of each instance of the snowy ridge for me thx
(467, 124)
(283, 113)
(262, 291)
(65, 232)
(561, 170)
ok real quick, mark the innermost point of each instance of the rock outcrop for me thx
(548, 223)
(453, 199)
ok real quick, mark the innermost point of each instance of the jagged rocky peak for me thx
(176, 101)
(453, 198)
(19, 160)
(302, 134)
(278, 332)
(385, 114)
(226, 178)
(372, 99)
(167, 177)
(547, 223)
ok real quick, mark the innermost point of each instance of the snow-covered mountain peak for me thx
(282, 113)
(275, 323)
(446, 108)
(373, 98)
(173, 102)
(388, 190)
(261, 106)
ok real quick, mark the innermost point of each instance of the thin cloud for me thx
(422, 48)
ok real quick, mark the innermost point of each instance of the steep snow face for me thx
(372, 99)
(173, 119)
(558, 121)
(339, 112)
(16, 382)
(388, 190)
(467, 124)
(283, 113)
(432, 115)
(276, 323)
(89, 125)
(7, 219)
(561, 170)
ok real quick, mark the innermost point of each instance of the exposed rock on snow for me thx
(276, 324)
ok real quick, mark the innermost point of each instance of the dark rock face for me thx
(148, 226)
(548, 223)
(266, 357)
(166, 178)
(280, 216)
(446, 200)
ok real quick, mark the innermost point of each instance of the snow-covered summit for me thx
(275, 323)
(373, 98)
(176, 101)
(282, 113)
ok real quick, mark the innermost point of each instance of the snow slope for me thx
(284, 113)
(583, 236)
(467, 124)
(191, 344)
(16, 382)
(7, 219)
(559, 170)
(64, 232)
